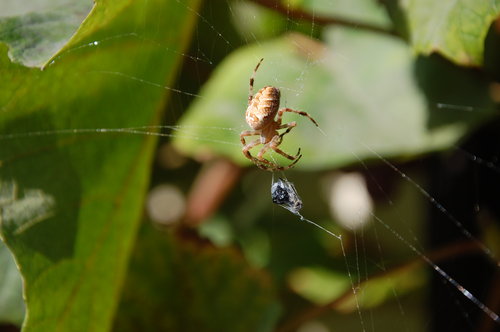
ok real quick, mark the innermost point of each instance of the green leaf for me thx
(11, 299)
(35, 30)
(319, 285)
(362, 89)
(254, 21)
(193, 286)
(323, 286)
(72, 218)
(455, 29)
(366, 11)
(263, 20)
(380, 288)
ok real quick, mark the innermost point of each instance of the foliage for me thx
(456, 29)
(346, 94)
(191, 286)
(73, 255)
(379, 79)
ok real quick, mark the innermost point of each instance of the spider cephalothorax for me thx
(260, 116)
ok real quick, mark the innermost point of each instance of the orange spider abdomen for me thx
(263, 107)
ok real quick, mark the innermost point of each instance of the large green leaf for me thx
(76, 200)
(456, 29)
(11, 300)
(366, 91)
(36, 30)
(189, 285)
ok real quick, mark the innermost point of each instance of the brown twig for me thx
(298, 14)
(453, 250)
(211, 186)
(486, 324)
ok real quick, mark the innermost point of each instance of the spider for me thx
(260, 116)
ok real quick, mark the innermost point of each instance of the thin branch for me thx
(299, 14)
(450, 251)
(213, 183)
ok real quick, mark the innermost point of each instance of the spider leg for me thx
(284, 168)
(293, 163)
(250, 90)
(248, 133)
(274, 146)
(261, 163)
(289, 127)
(261, 158)
(276, 141)
(264, 149)
(268, 166)
(283, 110)
(248, 147)
(284, 154)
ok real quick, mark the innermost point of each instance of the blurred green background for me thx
(127, 204)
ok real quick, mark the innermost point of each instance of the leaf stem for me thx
(299, 14)
(451, 251)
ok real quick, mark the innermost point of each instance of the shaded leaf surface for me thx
(73, 259)
(177, 284)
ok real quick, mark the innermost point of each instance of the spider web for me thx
(399, 190)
